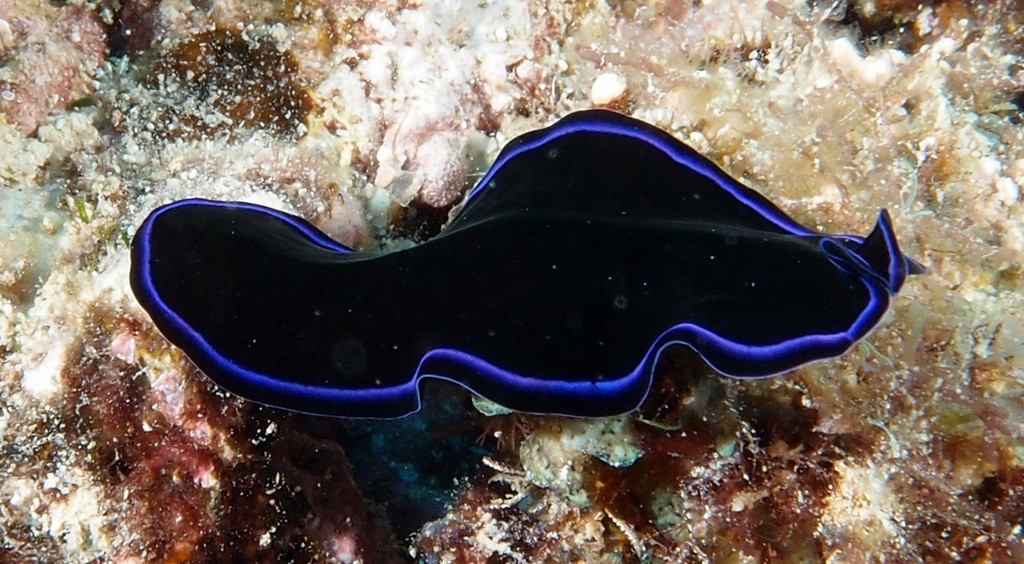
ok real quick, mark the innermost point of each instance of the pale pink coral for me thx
(50, 64)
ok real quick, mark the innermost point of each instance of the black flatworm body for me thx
(587, 249)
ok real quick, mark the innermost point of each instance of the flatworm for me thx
(588, 248)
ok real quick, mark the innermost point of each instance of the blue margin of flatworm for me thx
(778, 358)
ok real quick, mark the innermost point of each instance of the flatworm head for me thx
(587, 249)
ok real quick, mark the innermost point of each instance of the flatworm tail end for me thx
(153, 250)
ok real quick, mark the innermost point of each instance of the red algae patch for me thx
(235, 81)
(168, 463)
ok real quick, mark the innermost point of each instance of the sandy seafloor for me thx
(371, 119)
